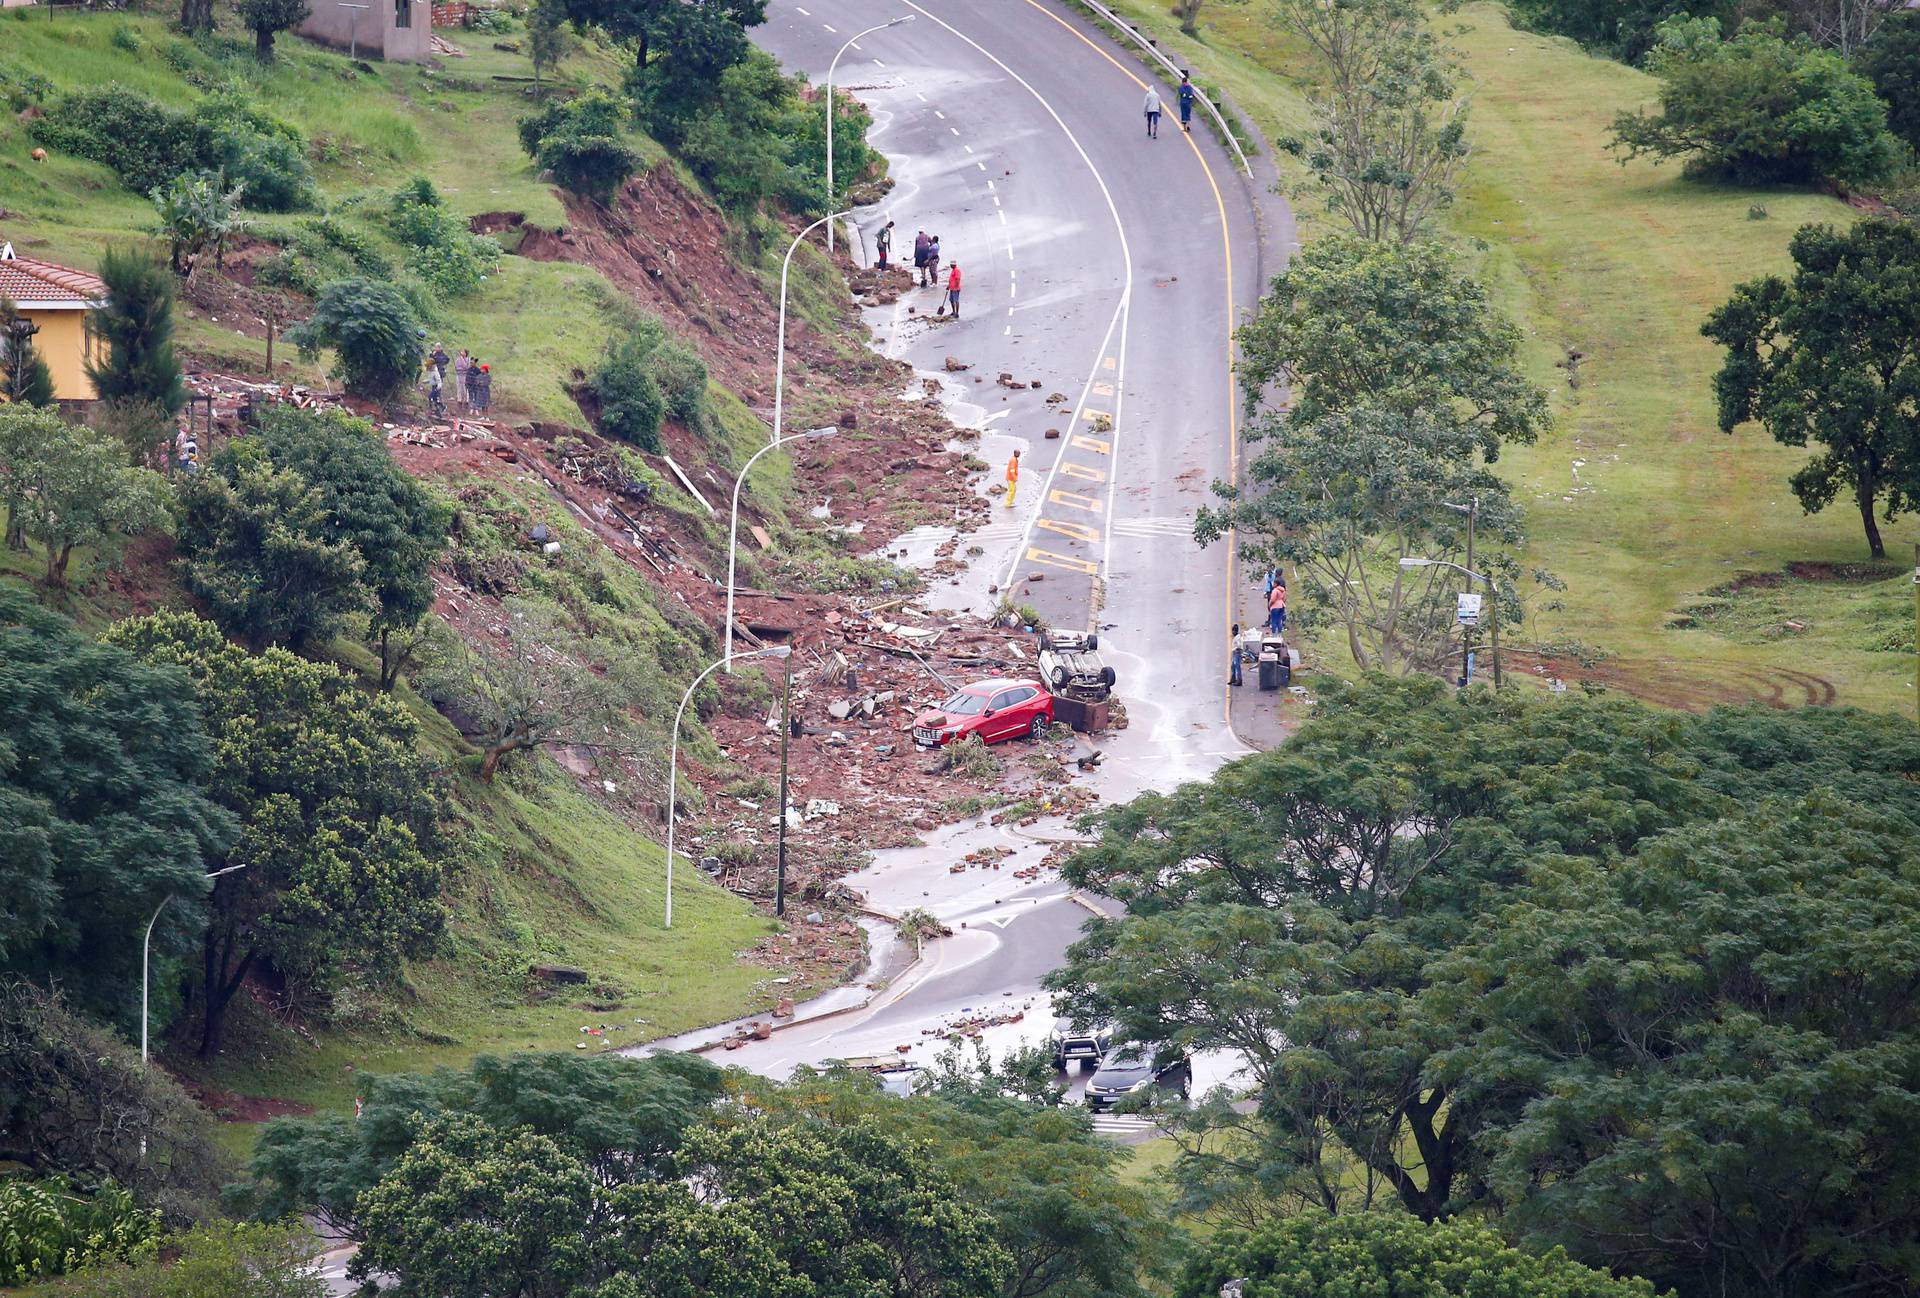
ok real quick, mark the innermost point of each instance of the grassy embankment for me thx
(543, 873)
(1622, 264)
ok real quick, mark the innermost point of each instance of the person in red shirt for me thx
(953, 287)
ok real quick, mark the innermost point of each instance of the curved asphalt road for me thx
(1111, 268)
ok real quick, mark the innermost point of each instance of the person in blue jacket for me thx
(1186, 104)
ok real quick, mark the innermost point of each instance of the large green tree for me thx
(337, 819)
(1316, 1255)
(621, 1118)
(1833, 356)
(264, 556)
(1758, 108)
(1892, 62)
(752, 1209)
(1295, 909)
(102, 812)
(1403, 383)
(1720, 1049)
(396, 526)
(136, 324)
(68, 486)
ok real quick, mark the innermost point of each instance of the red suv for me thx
(994, 710)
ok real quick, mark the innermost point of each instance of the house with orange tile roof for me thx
(55, 299)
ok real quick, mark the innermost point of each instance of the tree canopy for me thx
(373, 332)
(136, 323)
(1317, 1255)
(1404, 382)
(395, 525)
(1830, 357)
(337, 818)
(102, 810)
(749, 1209)
(67, 486)
(1719, 1048)
(1313, 909)
(1758, 108)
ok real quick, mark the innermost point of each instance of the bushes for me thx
(759, 141)
(147, 145)
(48, 1229)
(373, 331)
(1759, 109)
(580, 143)
(448, 258)
(228, 1260)
(644, 377)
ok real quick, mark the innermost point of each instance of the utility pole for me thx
(786, 735)
(1493, 620)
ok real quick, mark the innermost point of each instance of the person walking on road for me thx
(1186, 104)
(953, 288)
(1152, 110)
(1013, 475)
(1235, 660)
(921, 243)
(1277, 608)
(883, 243)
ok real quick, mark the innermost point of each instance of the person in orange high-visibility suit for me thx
(1013, 476)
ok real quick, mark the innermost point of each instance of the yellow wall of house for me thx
(62, 343)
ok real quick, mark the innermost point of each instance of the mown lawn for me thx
(1621, 264)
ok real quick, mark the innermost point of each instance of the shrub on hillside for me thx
(761, 141)
(581, 143)
(374, 333)
(646, 376)
(223, 1260)
(631, 402)
(1759, 109)
(447, 257)
(147, 144)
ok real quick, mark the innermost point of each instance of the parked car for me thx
(993, 710)
(896, 1075)
(1071, 665)
(1128, 1070)
(1088, 1047)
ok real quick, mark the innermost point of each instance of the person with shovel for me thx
(953, 290)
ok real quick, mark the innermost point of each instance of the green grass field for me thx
(1622, 264)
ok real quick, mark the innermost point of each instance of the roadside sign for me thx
(1467, 610)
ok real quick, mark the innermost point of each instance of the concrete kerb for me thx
(899, 982)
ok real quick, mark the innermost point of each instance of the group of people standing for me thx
(472, 382)
(926, 264)
(1247, 648)
(1185, 96)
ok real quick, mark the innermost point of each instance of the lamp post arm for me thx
(831, 67)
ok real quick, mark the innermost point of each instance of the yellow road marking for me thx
(1061, 496)
(1066, 561)
(1107, 363)
(1085, 472)
(1078, 531)
(1086, 443)
(1103, 389)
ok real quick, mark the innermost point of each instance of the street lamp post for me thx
(733, 525)
(780, 343)
(673, 760)
(146, 952)
(1493, 601)
(831, 198)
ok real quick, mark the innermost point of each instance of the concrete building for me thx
(55, 300)
(398, 31)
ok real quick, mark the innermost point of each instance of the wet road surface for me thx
(1111, 268)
